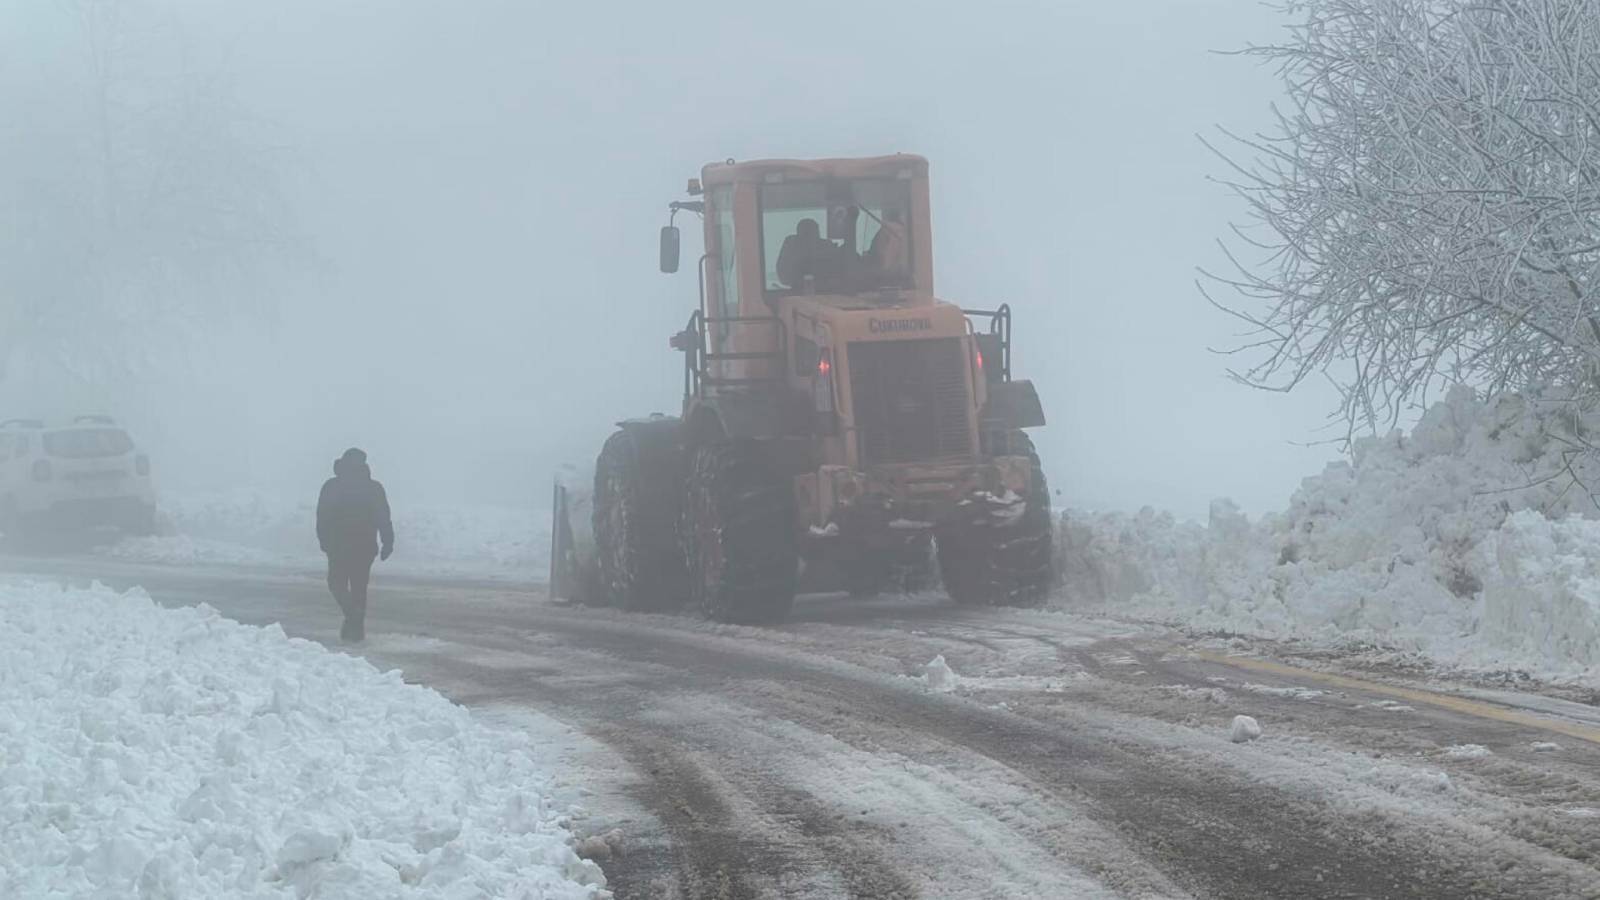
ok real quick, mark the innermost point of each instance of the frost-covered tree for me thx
(1426, 210)
(139, 206)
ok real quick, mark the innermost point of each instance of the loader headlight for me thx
(822, 384)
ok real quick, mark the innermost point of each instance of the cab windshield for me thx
(836, 235)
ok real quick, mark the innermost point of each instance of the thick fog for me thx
(461, 275)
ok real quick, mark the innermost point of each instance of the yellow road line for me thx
(1451, 702)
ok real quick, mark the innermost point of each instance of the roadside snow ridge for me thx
(173, 753)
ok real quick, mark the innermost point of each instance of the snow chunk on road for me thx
(938, 675)
(1243, 729)
(1467, 751)
(174, 753)
(1545, 747)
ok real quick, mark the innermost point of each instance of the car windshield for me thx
(836, 235)
(87, 443)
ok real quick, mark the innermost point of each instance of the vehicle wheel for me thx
(637, 490)
(32, 533)
(143, 523)
(739, 534)
(1002, 563)
(10, 521)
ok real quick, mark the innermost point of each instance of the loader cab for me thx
(776, 229)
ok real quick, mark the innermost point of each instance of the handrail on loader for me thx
(999, 330)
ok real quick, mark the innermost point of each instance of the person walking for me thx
(352, 517)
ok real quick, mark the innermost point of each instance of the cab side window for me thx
(725, 304)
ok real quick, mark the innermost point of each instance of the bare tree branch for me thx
(1427, 210)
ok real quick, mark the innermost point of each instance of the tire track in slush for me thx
(718, 853)
(1276, 845)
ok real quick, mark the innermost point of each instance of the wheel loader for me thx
(840, 423)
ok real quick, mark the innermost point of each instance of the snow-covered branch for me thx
(1427, 209)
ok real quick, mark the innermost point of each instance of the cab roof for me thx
(756, 170)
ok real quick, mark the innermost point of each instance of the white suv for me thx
(87, 474)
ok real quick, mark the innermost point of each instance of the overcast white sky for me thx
(485, 180)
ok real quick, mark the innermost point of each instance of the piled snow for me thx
(254, 528)
(173, 753)
(1244, 729)
(1466, 540)
(1467, 751)
(938, 675)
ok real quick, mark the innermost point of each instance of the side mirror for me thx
(669, 248)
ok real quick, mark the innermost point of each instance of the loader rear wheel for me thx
(739, 534)
(637, 484)
(1002, 563)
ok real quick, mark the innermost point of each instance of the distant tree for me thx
(1427, 209)
(140, 207)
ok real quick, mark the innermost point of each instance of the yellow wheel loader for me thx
(839, 421)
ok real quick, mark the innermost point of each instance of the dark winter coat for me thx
(353, 512)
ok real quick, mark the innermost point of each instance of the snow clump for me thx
(938, 675)
(1244, 729)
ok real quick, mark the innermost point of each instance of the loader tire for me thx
(1007, 563)
(637, 502)
(739, 535)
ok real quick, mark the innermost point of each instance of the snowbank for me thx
(1465, 540)
(174, 753)
(255, 528)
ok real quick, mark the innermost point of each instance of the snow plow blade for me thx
(573, 573)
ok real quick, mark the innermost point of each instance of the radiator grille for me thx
(910, 400)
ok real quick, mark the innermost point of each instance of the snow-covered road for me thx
(1067, 757)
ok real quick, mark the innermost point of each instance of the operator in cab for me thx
(807, 252)
(888, 253)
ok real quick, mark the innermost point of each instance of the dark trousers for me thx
(347, 579)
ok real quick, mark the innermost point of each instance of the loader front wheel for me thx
(636, 507)
(739, 534)
(1004, 562)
